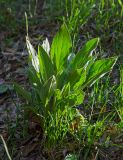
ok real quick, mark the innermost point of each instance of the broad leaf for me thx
(34, 78)
(83, 56)
(60, 47)
(46, 46)
(99, 69)
(76, 98)
(32, 55)
(66, 90)
(22, 92)
(74, 76)
(82, 79)
(46, 90)
(45, 64)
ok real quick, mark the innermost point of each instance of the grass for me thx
(4, 143)
(102, 18)
(98, 120)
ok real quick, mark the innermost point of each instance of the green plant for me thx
(76, 15)
(102, 18)
(6, 149)
(107, 18)
(71, 157)
(58, 79)
(119, 100)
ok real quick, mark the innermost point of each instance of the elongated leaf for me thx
(60, 47)
(46, 66)
(80, 97)
(74, 76)
(81, 80)
(66, 90)
(34, 78)
(45, 91)
(83, 56)
(46, 46)
(22, 92)
(75, 98)
(99, 69)
(33, 55)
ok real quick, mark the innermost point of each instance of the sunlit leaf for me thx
(33, 55)
(60, 47)
(46, 46)
(83, 56)
(98, 69)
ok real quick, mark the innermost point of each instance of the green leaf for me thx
(98, 69)
(83, 56)
(66, 89)
(120, 124)
(34, 77)
(22, 92)
(75, 77)
(60, 47)
(81, 80)
(71, 157)
(79, 97)
(74, 98)
(45, 64)
(45, 91)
